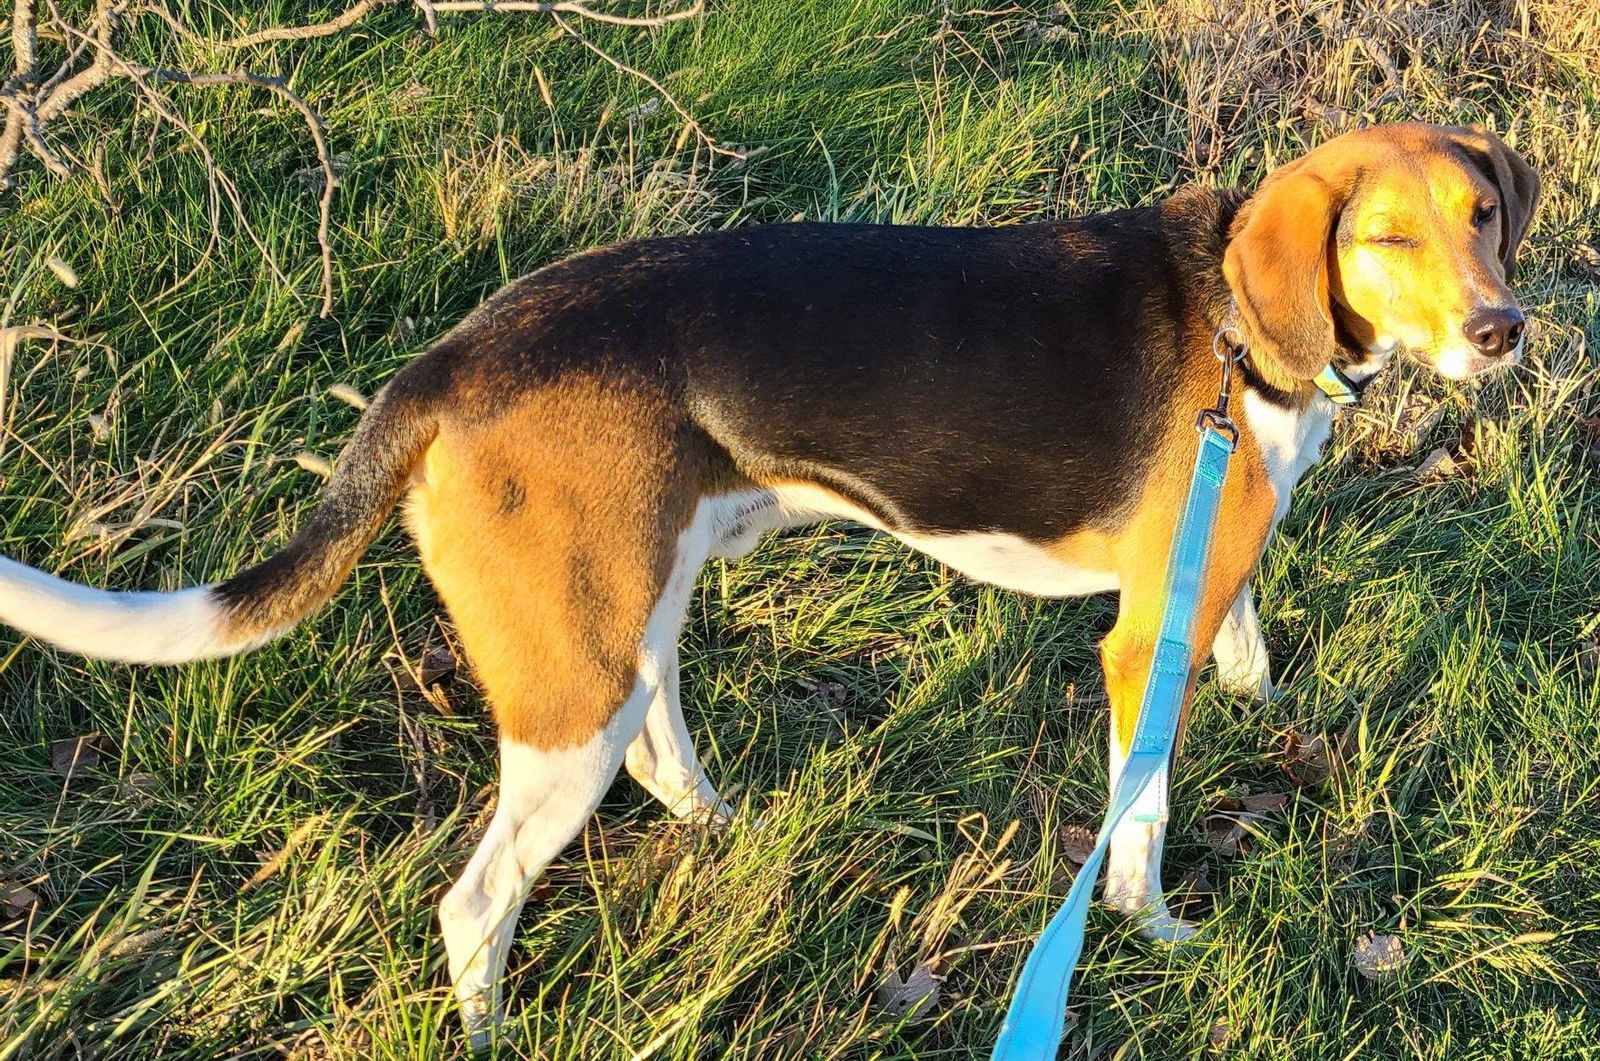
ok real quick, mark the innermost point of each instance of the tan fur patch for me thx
(1140, 549)
(549, 532)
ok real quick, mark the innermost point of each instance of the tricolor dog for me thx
(1017, 402)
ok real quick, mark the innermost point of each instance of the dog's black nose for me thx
(1495, 331)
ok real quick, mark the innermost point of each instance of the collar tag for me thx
(1340, 389)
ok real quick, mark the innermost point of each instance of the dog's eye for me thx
(1392, 241)
(1483, 213)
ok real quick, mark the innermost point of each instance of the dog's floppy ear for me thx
(1519, 191)
(1277, 267)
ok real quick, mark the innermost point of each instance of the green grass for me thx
(253, 871)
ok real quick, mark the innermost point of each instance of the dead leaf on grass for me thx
(437, 664)
(1480, 437)
(1440, 464)
(1379, 956)
(17, 900)
(1224, 834)
(1077, 844)
(1196, 882)
(1193, 894)
(912, 998)
(1586, 259)
(1309, 759)
(1589, 656)
(1590, 429)
(831, 693)
(1264, 803)
(1419, 424)
(76, 755)
(1227, 827)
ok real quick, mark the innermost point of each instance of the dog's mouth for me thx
(1460, 362)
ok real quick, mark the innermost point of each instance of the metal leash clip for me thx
(1228, 347)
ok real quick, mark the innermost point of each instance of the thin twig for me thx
(430, 10)
(337, 24)
(632, 71)
(564, 7)
(217, 179)
(319, 137)
(114, 65)
(35, 141)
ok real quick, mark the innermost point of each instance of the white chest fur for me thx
(1290, 441)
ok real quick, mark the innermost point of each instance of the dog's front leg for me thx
(1243, 668)
(1133, 864)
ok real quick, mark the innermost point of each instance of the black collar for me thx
(1333, 382)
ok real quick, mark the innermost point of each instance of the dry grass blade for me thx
(349, 395)
(672, 101)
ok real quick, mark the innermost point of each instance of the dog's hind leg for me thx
(568, 587)
(546, 794)
(662, 758)
(545, 797)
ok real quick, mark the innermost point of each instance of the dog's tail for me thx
(258, 604)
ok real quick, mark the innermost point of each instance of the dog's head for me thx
(1397, 237)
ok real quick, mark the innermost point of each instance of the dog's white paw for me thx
(484, 1022)
(1159, 925)
(1151, 917)
(1248, 686)
(714, 815)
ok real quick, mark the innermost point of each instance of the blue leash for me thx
(1034, 1023)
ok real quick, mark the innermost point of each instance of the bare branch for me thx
(217, 180)
(29, 105)
(35, 140)
(25, 40)
(10, 142)
(106, 17)
(25, 50)
(319, 136)
(564, 7)
(337, 24)
(632, 71)
(430, 10)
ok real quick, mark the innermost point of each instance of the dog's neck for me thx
(1198, 220)
(1201, 219)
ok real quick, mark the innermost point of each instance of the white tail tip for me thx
(131, 627)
